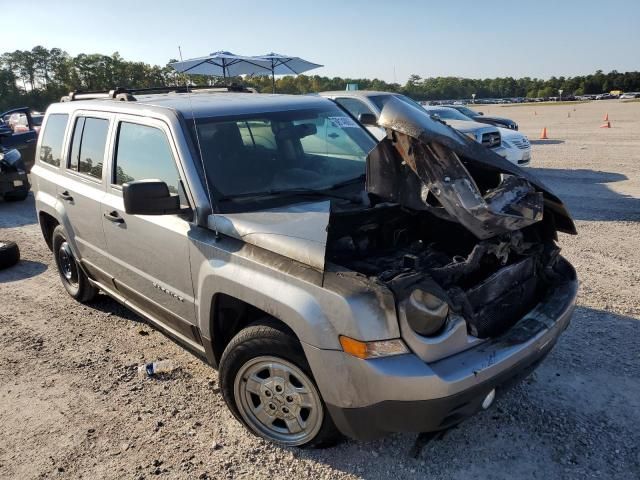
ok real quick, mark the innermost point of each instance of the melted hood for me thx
(425, 164)
(296, 231)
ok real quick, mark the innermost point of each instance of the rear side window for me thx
(144, 153)
(88, 145)
(52, 137)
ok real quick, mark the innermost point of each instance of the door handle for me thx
(65, 196)
(114, 217)
(333, 135)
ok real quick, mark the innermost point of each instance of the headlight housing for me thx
(365, 350)
(472, 136)
(426, 313)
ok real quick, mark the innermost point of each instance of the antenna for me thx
(195, 129)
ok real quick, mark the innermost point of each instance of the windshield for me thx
(381, 100)
(467, 111)
(447, 113)
(313, 149)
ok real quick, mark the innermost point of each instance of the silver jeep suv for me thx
(339, 284)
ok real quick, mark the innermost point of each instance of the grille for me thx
(521, 143)
(491, 140)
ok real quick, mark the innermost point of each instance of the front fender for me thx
(287, 290)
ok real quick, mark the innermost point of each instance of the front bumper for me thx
(369, 398)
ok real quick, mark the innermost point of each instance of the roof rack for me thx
(127, 94)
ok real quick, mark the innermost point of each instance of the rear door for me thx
(82, 187)
(24, 134)
(149, 254)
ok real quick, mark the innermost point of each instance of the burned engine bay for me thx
(491, 283)
(453, 221)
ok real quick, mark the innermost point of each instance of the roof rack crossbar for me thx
(127, 94)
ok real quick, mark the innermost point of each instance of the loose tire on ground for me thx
(270, 346)
(9, 254)
(73, 277)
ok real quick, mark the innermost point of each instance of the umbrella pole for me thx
(273, 81)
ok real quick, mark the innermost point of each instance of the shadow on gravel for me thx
(587, 195)
(545, 142)
(578, 411)
(18, 214)
(106, 304)
(23, 270)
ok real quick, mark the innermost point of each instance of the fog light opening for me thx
(488, 400)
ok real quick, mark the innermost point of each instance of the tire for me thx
(73, 278)
(9, 254)
(283, 395)
(17, 196)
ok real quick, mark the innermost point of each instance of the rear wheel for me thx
(267, 383)
(73, 278)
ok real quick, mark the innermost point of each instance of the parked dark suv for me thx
(338, 283)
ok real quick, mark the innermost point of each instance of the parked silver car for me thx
(340, 285)
(357, 102)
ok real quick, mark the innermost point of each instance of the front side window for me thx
(144, 153)
(278, 151)
(88, 145)
(52, 138)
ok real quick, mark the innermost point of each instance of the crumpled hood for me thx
(424, 164)
(297, 231)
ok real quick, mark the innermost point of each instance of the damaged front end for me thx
(463, 238)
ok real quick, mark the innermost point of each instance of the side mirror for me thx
(368, 119)
(480, 113)
(149, 197)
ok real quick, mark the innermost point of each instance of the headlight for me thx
(426, 313)
(505, 143)
(472, 136)
(382, 348)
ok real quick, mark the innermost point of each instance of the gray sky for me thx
(355, 38)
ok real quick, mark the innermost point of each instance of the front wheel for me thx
(73, 278)
(267, 384)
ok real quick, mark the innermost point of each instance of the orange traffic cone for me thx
(606, 117)
(606, 124)
(543, 135)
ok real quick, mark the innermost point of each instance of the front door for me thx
(149, 254)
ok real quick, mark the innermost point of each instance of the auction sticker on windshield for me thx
(343, 122)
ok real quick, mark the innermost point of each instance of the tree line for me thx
(39, 76)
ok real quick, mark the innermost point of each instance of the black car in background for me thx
(23, 135)
(14, 184)
(480, 117)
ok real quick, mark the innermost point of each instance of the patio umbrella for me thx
(285, 65)
(223, 64)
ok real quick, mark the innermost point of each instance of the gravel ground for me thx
(71, 405)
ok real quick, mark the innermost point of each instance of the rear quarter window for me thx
(52, 139)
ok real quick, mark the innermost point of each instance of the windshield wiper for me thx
(325, 192)
(302, 192)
